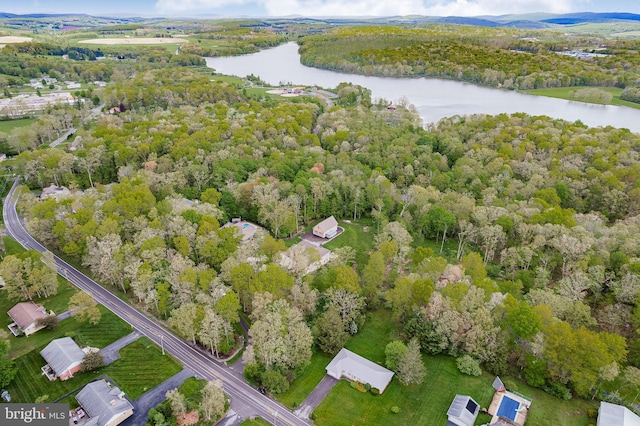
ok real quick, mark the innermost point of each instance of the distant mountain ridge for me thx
(525, 21)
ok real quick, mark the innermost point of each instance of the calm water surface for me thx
(434, 98)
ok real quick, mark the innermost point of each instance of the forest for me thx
(506, 241)
(498, 57)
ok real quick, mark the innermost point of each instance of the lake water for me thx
(434, 98)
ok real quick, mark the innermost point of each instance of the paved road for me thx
(245, 400)
(63, 138)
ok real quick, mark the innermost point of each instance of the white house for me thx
(353, 367)
(616, 415)
(463, 411)
(25, 316)
(328, 228)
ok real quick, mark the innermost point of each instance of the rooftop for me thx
(26, 313)
(355, 367)
(61, 354)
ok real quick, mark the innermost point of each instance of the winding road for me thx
(245, 400)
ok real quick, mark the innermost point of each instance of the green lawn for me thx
(258, 421)
(306, 382)
(7, 126)
(108, 330)
(30, 384)
(358, 236)
(563, 93)
(141, 367)
(429, 402)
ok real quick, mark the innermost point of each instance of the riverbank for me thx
(565, 93)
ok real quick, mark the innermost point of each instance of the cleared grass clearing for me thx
(7, 126)
(140, 368)
(427, 404)
(565, 92)
(307, 381)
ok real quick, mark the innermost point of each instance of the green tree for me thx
(330, 331)
(84, 308)
(213, 400)
(346, 278)
(393, 353)
(524, 321)
(411, 369)
(92, 361)
(373, 276)
(8, 369)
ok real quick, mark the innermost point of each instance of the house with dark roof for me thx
(25, 316)
(463, 411)
(328, 228)
(616, 415)
(105, 405)
(353, 367)
(64, 357)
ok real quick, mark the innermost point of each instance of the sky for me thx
(194, 8)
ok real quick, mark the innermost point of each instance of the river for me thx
(434, 98)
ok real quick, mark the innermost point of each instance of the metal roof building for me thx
(64, 356)
(354, 367)
(616, 415)
(105, 405)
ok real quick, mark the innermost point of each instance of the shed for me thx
(463, 411)
(616, 415)
(105, 405)
(356, 368)
(64, 357)
(328, 228)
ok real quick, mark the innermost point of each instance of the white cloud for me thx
(375, 7)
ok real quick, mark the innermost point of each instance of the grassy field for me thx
(306, 382)
(564, 93)
(358, 236)
(258, 421)
(140, 368)
(108, 330)
(7, 126)
(428, 403)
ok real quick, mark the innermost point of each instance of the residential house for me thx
(25, 316)
(53, 191)
(72, 85)
(244, 229)
(64, 357)
(463, 411)
(105, 405)
(616, 415)
(353, 367)
(317, 256)
(328, 228)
